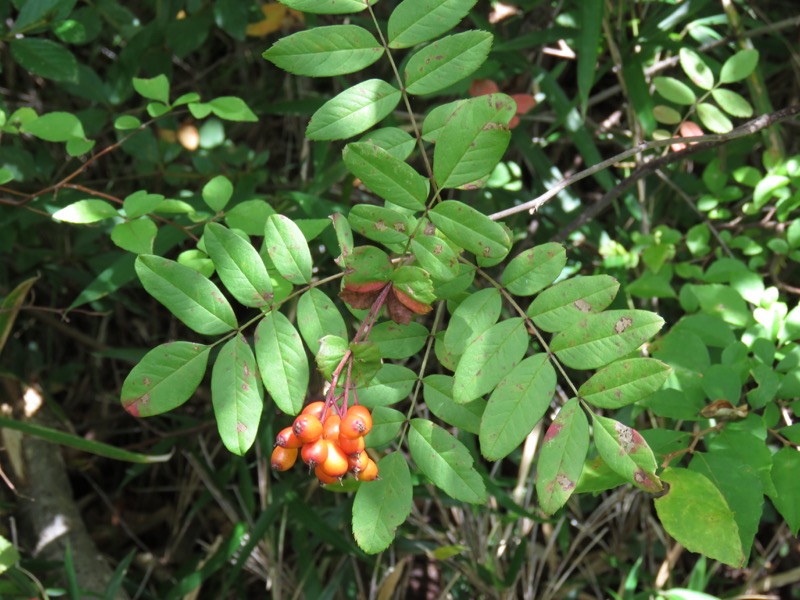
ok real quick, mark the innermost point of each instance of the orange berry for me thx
(370, 472)
(315, 408)
(307, 428)
(324, 477)
(283, 458)
(330, 429)
(351, 446)
(287, 439)
(335, 464)
(358, 462)
(356, 423)
(315, 453)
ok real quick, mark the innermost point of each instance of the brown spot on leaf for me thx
(622, 324)
(565, 482)
(401, 227)
(582, 305)
(380, 225)
(625, 437)
(240, 427)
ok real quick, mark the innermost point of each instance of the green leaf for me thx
(695, 513)
(435, 256)
(391, 384)
(436, 119)
(386, 423)
(135, 236)
(477, 313)
(397, 341)
(518, 402)
(55, 127)
(675, 91)
(713, 118)
(231, 108)
(239, 266)
(667, 115)
(249, 216)
(732, 103)
(217, 192)
(353, 111)
(590, 21)
(288, 249)
(86, 211)
(389, 177)
(489, 358)
(438, 394)
(381, 506)
(9, 555)
(282, 362)
(626, 452)
(156, 88)
(34, 14)
(332, 349)
(534, 269)
(739, 66)
(141, 203)
(398, 143)
(367, 264)
(237, 395)
(471, 229)
(328, 7)
(317, 316)
(187, 294)
(5, 176)
(785, 467)
(45, 58)
(344, 237)
(10, 306)
(164, 379)
(624, 382)
(413, 282)
(696, 69)
(415, 21)
(446, 62)
(596, 340)
(564, 449)
(445, 461)
(381, 224)
(567, 302)
(325, 51)
(473, 140)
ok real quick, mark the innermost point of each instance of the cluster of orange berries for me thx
(331, 446)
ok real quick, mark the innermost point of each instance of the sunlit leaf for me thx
(624, 382)
(288, 249)
(534, 269)
(415, 21)
(567, 302)
(282, 362)
(353, 111)
(447, 61)
(626, 452)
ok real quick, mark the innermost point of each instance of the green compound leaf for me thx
(86, 211)
(489, 358)
(435, 256)
(156, 88)
(474, 315)
(328, 7)
(397, 341)
(624, 382)
(288, 249)
(696, 69)
(380, 224)
(317, 316)
(732, 103)
(739, 66)
(626, 452)
(390, 177)
(569, 301)
(217, 192)
(596, 340)
(694, 512)
(237, 395)
(135, 236)
(187, 294)
(239, 266)
(438, 394)
(353, 111)
(534, 269)
(471, 229)
(417, 21)
(164, 379)
(448, 61)
(45, 58)
(445, 461)
(282, 362)
(473, 140)
(675, 91)
(325, 51)
(381, 506)
(564, 450)
(518, 402)
(713, 118)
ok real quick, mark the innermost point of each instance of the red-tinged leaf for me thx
(525, 102)
(561, 458)
(626, 452)
(481, 87)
